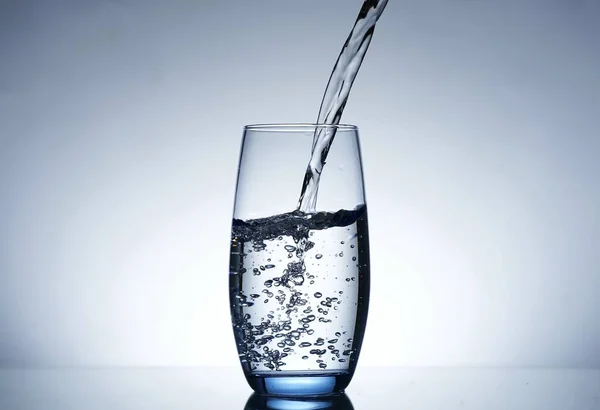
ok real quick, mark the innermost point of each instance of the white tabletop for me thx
(372, 388)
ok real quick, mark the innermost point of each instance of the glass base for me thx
(299, 385)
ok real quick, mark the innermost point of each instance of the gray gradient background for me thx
(120, 124)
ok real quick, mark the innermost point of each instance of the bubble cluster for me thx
(308, 312)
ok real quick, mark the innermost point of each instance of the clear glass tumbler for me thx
(299, 282)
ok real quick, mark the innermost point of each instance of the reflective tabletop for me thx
(372, 388)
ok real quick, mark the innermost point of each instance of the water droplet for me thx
(318, 294)
(318, 256)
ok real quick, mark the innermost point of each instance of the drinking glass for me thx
(299, 281)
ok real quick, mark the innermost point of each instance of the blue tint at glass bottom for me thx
(302, 385)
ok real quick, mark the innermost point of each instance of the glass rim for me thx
(297, 127)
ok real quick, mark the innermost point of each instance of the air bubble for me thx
(305, 344)
(318, 256)
(290, 248)
(318, 294)
(322, 365)
(354, 258)
(270, 266)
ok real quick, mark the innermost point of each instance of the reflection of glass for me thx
(257, 402)
(299, 282)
